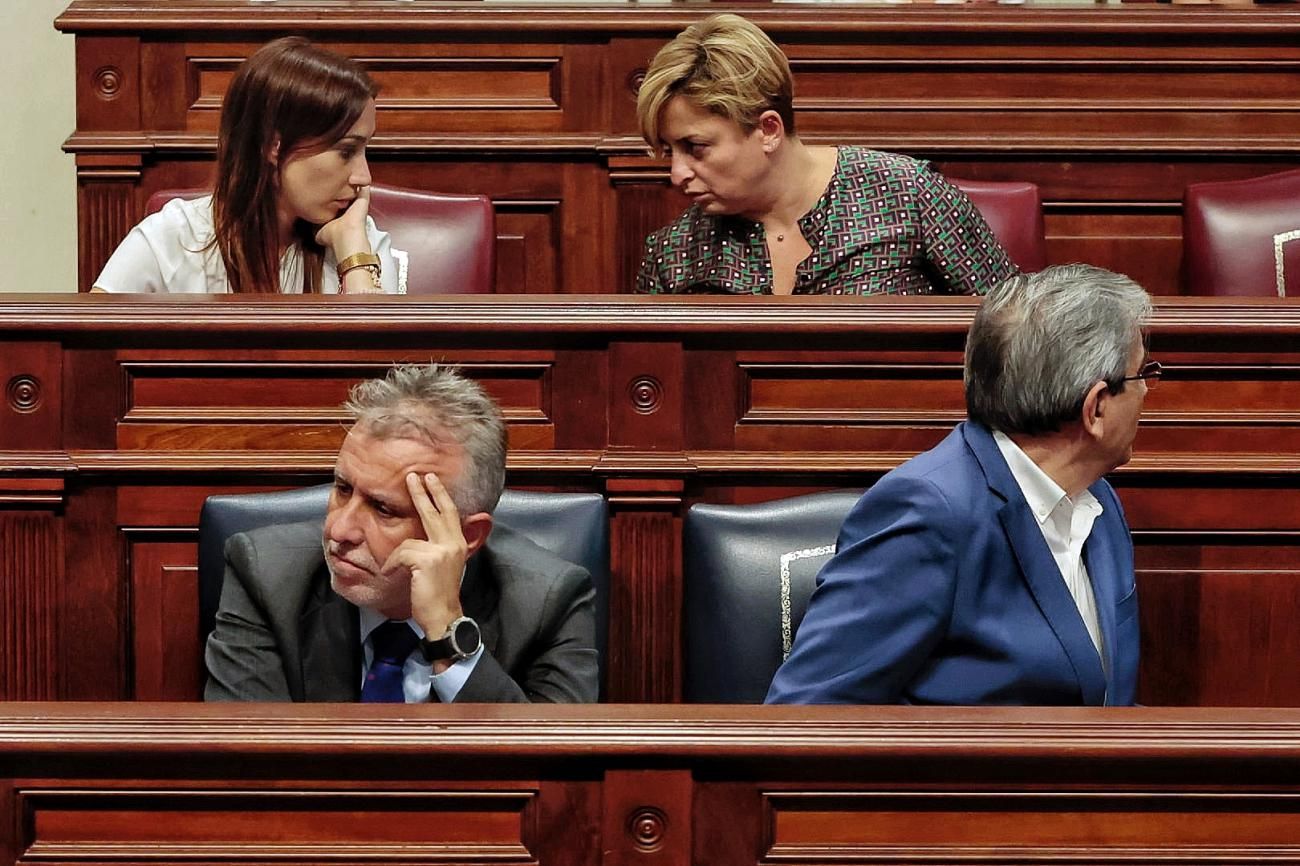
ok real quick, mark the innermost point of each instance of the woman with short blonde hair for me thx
(771, 215)
(725, 65)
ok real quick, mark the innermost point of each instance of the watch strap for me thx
(445, 648)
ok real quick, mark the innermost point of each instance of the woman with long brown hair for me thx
(289, 209)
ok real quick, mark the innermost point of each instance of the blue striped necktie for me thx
(392, 642)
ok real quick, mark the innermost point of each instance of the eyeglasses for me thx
(1151, 371)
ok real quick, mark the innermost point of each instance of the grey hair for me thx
(1040, 341)
(434, 403)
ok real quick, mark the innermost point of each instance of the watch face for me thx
(466, 636)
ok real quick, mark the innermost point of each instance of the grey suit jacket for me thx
(282, 634)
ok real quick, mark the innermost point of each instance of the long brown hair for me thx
(302, 97)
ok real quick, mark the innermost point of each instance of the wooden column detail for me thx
(645, 472)
(31, 400)
(30, 577)
(644, 663)
(647, 815)
(107, 211)
(644, 203)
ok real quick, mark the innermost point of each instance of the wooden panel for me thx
(1146, 244)
(257, 825)
(106, 211)
(852, 394)
(663, 786)
(31, 579)
(552, 215)
(648, 814)
(1229, 601)
(414, 83)
(108, 83)
(292, 405)
(644, 657)
(959, 83)
(95, 604)
(450, 87)
(958, 827)
(646, 388)
(166, 652)
(527, 235)
(170, 504)
(645, 203)
(32, 378)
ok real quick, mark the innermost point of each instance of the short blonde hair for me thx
(723, 64)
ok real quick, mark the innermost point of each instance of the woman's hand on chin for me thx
(346, 234)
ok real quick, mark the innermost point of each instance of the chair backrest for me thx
(449, 240)
(1014, 210)
(748, 572)
(573, 526)
(1242, 237)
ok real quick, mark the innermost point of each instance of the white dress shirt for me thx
(168, 252)
(1065, 524)
(418, 678)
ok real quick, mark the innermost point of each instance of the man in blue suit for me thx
(997, 567)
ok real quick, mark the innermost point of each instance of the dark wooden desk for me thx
(1111, 110)
(122, 414)
(659, 786)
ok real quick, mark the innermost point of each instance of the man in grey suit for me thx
(401, 595)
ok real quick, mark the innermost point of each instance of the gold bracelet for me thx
(359, 260)
(373, 270)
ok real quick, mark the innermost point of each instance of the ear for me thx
(1094, 409)
(273, 152)
(477, 528)
(771, 130)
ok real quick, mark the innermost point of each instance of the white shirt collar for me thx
(372, 619)
(1041, 493)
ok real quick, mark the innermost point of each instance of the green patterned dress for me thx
(887, 224)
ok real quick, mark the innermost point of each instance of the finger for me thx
(401, 557)
(430, 518)
(416, 555)
(361, 204)
(442, 501)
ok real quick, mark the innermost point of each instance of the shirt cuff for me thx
(448, 684)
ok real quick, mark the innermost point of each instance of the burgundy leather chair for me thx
(1242, 237)
(1014, 210)
(449, 240)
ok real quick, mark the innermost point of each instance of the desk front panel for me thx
(663, 786)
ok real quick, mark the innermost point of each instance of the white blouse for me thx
(166, 253)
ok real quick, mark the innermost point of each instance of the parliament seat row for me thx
(1238, 235)
(748, 575)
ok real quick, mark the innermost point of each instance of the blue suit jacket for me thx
(943, 591)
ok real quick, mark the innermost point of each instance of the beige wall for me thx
(38, 206)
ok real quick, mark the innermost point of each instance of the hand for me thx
(346, 233)
(437, 561)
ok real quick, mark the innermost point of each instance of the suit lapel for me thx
(1038, 567)
(1098, 557)
(331, 646)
